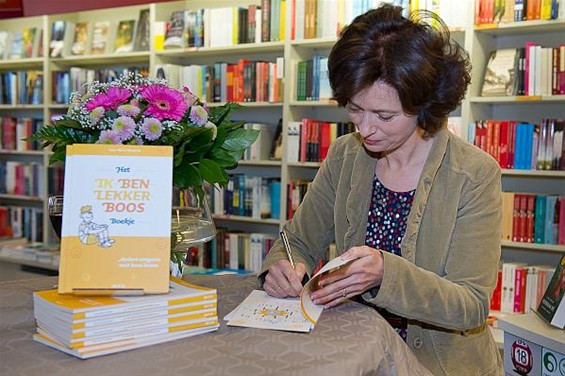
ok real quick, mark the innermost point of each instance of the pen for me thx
(287, 248)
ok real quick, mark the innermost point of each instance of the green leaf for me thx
(222, 157)
(211, 171)
(240, 139)
(186, 175)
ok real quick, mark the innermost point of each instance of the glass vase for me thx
(191, 223)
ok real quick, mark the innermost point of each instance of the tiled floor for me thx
(12, 271)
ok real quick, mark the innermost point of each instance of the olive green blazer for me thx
(450, 251)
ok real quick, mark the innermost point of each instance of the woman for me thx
(415, 207)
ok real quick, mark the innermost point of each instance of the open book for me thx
(259, 310)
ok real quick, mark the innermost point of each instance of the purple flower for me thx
(198, 115)
(97, 114)
(129, 109)
(125, 126)
(164, 102)
(110, 137)
(189, 97)
(151, 128)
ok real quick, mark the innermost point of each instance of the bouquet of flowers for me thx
(145, 111)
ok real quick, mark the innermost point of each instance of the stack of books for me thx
(90, 326)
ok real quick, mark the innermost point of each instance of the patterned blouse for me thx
(386, 226)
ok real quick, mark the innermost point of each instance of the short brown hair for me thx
(429, 71)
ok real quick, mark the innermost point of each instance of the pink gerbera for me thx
(164, 102)
(110, 100)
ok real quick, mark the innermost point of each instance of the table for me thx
(351, 339)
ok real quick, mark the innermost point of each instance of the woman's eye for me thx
(385, 117)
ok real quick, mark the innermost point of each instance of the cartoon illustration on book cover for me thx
(90, 232)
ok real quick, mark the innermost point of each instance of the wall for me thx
(39, 7)
(11, 8)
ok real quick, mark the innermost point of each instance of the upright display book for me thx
(116, 220)
(259, 310)
(142, 32)
(100, 38)
(552, 305)
(124, 36)
(501, 72)
(81, 39)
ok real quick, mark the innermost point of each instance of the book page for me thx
(262, 311)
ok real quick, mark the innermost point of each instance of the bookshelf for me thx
(483, 40)
(478, 40)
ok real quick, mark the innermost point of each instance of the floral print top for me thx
(386, 225)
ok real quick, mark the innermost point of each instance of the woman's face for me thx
(377, 113)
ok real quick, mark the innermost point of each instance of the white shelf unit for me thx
(533, 109)
(478, 41)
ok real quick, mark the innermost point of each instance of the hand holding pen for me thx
(284, 277)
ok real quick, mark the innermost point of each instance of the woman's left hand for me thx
(363, 273)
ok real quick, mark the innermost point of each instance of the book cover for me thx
(4, 42)
(17, 45)
(116, 219)
(124, 36)
(80, 39)
(57, 42)
(100, 37)
(501, 72)
(552, 305)
(122, 345)
(30, 41)
(142, 33)
(174, 36)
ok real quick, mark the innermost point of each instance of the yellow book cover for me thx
(116, 220)
(122, 345)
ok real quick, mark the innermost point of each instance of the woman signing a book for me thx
(415, 207)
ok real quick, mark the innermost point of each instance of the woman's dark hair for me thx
(428, 70)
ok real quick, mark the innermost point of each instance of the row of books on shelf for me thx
(225, 26)
(33, 251)
(21, 87)
(312, 80)
(533, 218)
(264, 148)
(495, 11)
(21, 44)
(520, 287)
(296, 190)
(92, 326)
(14, 133)
(530, 70)
(218, 256)
(520, 145)
(250, 196)
(21, 222)
(22, 178)
(314, 19)
(67, 82)
(309, 139)
(243, 81)
(99, 37)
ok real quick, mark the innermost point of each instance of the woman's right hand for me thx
(282, 281)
